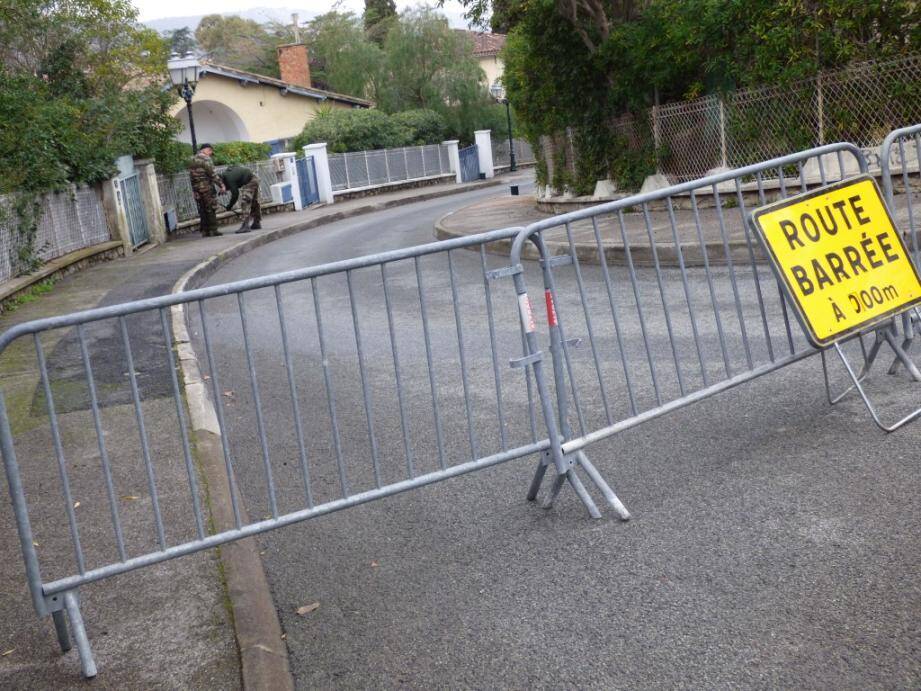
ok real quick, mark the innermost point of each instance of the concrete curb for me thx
(614, 255)
(263, 652)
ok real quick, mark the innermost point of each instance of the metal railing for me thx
(365, 169)
(176, 190)
(524, 154)
(67, 221)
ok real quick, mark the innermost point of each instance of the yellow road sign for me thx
(840, 258)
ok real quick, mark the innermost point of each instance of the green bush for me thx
(230, 153)
(422, 126)
(352, 130)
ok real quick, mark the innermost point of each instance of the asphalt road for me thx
(775, 539)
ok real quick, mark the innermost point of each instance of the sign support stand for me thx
(887, 335)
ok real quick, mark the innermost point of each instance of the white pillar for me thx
(321, 165)
(454, 159)
(291, 176)
(484, 151)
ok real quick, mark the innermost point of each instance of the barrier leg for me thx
(558, 483)
(603, 487)
(60, 628)
(583, 493)
(908, 319)
(72, 606)
(902, 355)
(538, 479)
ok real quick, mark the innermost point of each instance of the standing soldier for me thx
(204, 179)
(243, 182)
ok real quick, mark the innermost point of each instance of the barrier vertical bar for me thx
(59, 455)
(404, 426)
(327, 381)
(439, 433)
(257, 401)
(142, 431)
(365, 391)
(100, 439)
(183, 433)
(21, 511)
(295, 404)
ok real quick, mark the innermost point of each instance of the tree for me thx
(378, 18)
(80, 85)
(427, 63)
(237, 42)
(342, 57)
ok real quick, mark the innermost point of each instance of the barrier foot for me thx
(558, 483)
(79, 631)
(538, 479)
(60, 628)
(603, 487)
(583, 493)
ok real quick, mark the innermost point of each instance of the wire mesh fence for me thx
(64, 222)
(500, 152)
(859, 104)
(176, 189)
(363, 169)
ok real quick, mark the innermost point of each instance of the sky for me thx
(156, 9)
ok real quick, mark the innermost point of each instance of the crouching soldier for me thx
(204, 180)
(242, 182)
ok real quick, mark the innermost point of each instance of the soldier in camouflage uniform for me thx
(204, 179)
(243, 182)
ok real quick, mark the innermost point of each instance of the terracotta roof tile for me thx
(485, 44)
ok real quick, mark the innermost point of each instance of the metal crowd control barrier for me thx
(308, 335)
(902, 147)
(416, 338)
(658, 341)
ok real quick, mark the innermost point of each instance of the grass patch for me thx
(31, 294)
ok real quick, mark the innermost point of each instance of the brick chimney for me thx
(293, 65)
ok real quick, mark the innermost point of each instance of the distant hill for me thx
(276, 14)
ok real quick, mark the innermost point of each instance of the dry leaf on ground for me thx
(307, 609)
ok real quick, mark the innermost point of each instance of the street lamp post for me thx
(184, 73)
(498, 93)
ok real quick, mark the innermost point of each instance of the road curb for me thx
(263, 652)
(642, 256)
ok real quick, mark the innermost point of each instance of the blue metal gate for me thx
(129, 188)
(469, 164)
(307, 181)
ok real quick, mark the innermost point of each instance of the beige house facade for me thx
(486, 49)
(234, 105)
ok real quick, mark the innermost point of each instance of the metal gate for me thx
(307, 181)
(469, 163)
(129, 189)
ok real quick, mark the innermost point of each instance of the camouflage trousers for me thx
(249, 201)
(207, 211)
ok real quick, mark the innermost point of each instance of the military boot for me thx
(244, 228)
